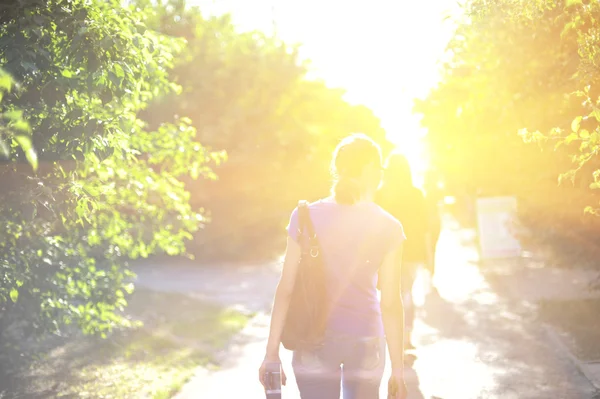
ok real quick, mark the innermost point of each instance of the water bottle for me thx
(273, 380)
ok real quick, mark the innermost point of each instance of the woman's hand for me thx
(396, 386)
(263, 368)
(281, 304)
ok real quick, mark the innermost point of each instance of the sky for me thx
(384, 53)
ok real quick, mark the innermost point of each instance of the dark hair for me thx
(350, 158)
(397, 171)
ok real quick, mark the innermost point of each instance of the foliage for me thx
(583, 131)
(516, 66)
(524, 71)
(248, 94)
(508, 69)
(15, 128)
(107, 188)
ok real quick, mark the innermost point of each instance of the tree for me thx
(579, 136)
(248, 94)
(509, 69)
(523, 70)
(107, 188)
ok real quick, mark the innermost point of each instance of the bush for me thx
(107, 188)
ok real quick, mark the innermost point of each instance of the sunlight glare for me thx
(384, 54)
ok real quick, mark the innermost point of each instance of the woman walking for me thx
(433, 197)
(361, 245)
(406, 203)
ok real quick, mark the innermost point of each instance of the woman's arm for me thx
(392, 309)
(282, 297)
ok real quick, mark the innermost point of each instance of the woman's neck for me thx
(364, 198)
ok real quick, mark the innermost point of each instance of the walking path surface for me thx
(477, 339)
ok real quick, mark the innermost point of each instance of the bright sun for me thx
(384, 53)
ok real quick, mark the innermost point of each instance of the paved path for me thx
(248, 288)
(473, 341)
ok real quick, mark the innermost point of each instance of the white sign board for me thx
(494, 219)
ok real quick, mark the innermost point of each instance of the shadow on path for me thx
(474, 342)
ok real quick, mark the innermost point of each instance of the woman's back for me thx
(359, 241)
(354, 239)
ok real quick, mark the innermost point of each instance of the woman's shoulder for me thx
(385, 217)
(313, 207)
(389, 226)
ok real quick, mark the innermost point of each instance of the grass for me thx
(578, 321)
(154, 361)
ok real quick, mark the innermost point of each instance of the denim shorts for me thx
(352, 365)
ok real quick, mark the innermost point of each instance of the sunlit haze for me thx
(383, 53)
(163, 168)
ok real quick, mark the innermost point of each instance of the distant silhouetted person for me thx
(406, 203)
(433, 197)
(359, 241)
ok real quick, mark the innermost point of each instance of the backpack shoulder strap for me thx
(304, 222)
(307, 234)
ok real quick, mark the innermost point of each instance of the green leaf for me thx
(14, 295)
(21, 125)
(24, 142)
(14, 115)
(576, 124)
(119, 71)
(129, 288)
(5, 81)
(30, 154)
(141, 28)
(4, 150)
(81, 208)
(570, 3)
